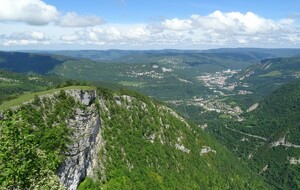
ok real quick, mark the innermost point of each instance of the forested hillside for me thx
(144, 145)
(13, 84)
(27, 62)
(265, 77)
(268, 138)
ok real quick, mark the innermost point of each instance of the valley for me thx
(228, 104)
(149, 95)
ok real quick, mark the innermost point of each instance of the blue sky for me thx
(135, 11)
(155, 24)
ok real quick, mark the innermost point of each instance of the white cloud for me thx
(230, 29)
(70, 37)
(177, 24)
(109, 35)
(33, 12)
(138, 33)
(234, 22)
(9, 43)
(37, 35)
(242, 41)
(218, 29)
(25, 39)
(37, 12)
(72, 19)
(287, 21)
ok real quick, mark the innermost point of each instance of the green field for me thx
(29, 96)
(272, 74)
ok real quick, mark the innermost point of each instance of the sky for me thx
(148, 24)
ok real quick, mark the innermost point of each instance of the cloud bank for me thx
(215, 29)
(38, 13)
(218, 29)
(74, 20)
(25, 39)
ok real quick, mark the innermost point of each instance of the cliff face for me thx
(81, 158)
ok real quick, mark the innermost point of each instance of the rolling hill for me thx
(265, 77)
(29, 62)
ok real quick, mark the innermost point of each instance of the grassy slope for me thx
(29, 96)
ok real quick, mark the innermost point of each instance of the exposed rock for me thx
(264, 169)
(118, 100)
(253, 107)
(182, 148)
(152, 138)
(250, 156)
(85, 97)
(279, 142)
(283, 142)
(244, 139)
(81, 158)
(206, 150)
(294, 161)
(2, 116)
(172, 112)
(204, 126)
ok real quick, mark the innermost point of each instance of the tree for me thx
(17, 153)
(22, 164)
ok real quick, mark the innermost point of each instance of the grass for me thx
(225, 116)
(30, 96)
(5, 85)
(272, 74)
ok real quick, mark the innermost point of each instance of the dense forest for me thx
(147, 146)
(275, 126)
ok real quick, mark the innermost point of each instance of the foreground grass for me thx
(30, 96)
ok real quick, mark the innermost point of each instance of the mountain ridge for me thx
(125, 144)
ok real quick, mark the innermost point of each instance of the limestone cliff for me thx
(86, 140)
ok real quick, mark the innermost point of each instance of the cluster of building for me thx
(151, 74)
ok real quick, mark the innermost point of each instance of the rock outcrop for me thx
(83, 96)
(81, 158)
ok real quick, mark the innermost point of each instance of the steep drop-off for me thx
(113, 140)
(81, 156)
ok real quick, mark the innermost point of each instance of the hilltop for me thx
(134, 142)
